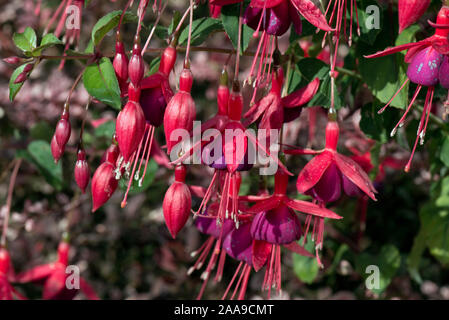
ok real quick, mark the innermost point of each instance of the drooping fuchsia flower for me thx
(7, 291)
(274, 214)
(427, 67)
(53, 277)
(410, 11)
(272, 110)
(329, 173)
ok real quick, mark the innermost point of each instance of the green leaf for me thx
(174, 22)
(25, 41)
(153, 66)
(49, 40)
(311, 68)
(101, 82)
(15, 87)
(306, 268)
(230, 19)
(39, 152)
(444, 154)
(149, 178)
(388, 261)
(109, 22)
(106, 129)
(201, 29)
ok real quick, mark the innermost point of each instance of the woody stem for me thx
(12, 182)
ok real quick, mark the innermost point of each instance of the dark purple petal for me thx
(444, 73)
(277, 226)
(210, 227)
(350, 188)
(238, 243)
(153, 105)
(328, 188)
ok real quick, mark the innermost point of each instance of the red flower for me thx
(273, 111)
(53, 277)
(7, 291)
(330, 172)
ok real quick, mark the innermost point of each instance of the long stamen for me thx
(208, 194)
(123, 204)
(391, 100)
(400, 122)
(232, 280)
(148, 155)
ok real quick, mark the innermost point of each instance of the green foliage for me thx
(201, 29)
(15, 87)
(39, 154)
(306, 268)
(101, 82)
(230, 19)
(388, 260)
(109, 22)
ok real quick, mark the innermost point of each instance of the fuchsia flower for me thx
(329, 173)
(82, 171)
(275, 224)
(427, 67)
(273, 111)
(7, 291)
(410, 11)
(53, 277)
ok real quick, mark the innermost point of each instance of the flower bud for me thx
(13, 60)
(130, 128)
(103, 185)
(63, 129)
(180, 112)
(120, 64)
(168, 60)
(56, 150)
(82, 171)
(21, 78)
(136, 67)
(177, 203)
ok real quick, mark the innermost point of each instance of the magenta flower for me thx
(330, 173)
(427, 68)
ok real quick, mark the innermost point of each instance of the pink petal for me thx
(312, 13)
(36, 274)
(312, 172)
(310, 208)
(355, 174)
(301, 96)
